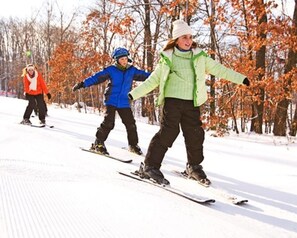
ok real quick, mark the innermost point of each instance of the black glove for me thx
(26, 96)
(49, 96)
(246, 82)
(78, 86)
(130, 97)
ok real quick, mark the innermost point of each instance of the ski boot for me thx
(99, 147)
(26, 121)
(135, 149)
(196, 172)
(150, 172)
(42, 122)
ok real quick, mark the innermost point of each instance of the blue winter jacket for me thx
(120, 83)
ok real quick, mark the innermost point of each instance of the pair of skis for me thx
(134, 175)
(216, 191)
(38, 125)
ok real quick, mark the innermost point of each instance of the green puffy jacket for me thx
(202, 65)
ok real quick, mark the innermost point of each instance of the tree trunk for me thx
(280, 119)
(149, 101)
(293, 129)
(260, 64)
(281, 114)
(212, 55)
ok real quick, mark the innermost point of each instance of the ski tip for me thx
(210, 201)
(126, 161)
(240, 202)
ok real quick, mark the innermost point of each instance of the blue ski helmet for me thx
(119, 52)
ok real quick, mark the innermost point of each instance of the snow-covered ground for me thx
(49, 188)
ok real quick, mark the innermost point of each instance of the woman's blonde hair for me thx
(171, 43)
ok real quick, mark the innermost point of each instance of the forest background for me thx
(255, 37)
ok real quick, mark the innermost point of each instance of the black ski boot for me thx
(135, 149)
(26, 121)
(150, 172)
(196, 172)
(99, 147)
(42, 122)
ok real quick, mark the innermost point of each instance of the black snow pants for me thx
(177, 113)
(109, 121)
(33, 101)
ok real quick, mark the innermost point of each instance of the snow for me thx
(50, 188)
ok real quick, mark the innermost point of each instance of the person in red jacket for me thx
(34, 88)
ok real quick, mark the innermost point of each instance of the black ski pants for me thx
(109, 121)
(177, 113)
(33, 101)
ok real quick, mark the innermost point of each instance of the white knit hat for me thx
(180, 28)
(30, 66)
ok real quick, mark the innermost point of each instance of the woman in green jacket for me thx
(180, 75)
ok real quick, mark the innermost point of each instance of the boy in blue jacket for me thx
(120, 76)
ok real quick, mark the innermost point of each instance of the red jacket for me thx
(40, 86)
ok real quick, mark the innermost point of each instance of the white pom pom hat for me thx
(30, 67)
(180, 28)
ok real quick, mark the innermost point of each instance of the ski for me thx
(42, 125)
(38, 126)
(192, 198)
(217, 191)
(108, 156)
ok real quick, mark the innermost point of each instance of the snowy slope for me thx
(50, 188)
